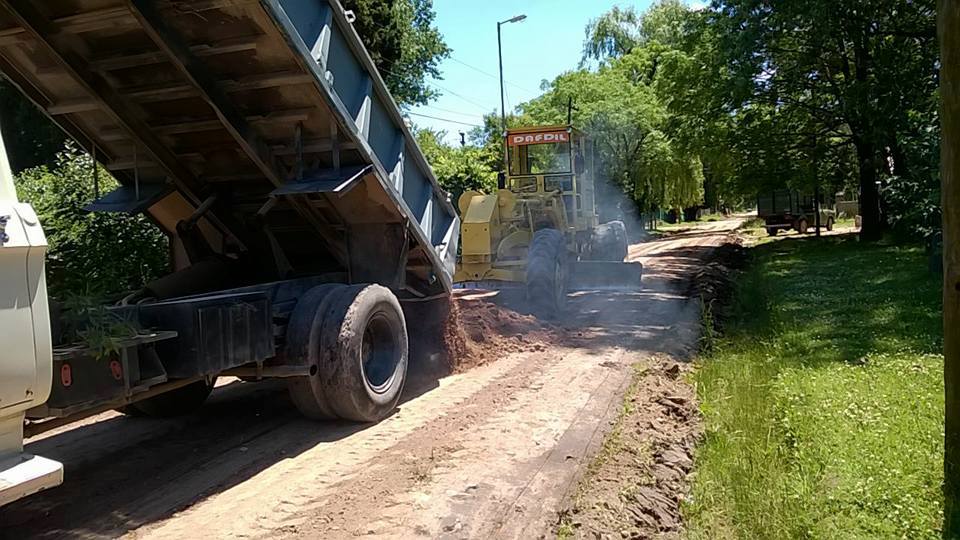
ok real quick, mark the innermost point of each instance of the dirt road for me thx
(490, 452)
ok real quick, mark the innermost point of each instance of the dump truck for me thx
(541, 227)
(301, 214)
(786, 209)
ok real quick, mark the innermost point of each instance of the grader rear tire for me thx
(358, 352)
(608, 242)
(547, 273)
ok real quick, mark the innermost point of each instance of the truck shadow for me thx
(122, 473)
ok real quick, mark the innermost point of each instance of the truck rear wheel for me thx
(608, 242)
(359, 347)
(546, 273)
(183, 400)
(304, 333)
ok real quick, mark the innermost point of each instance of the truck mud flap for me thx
(604, 275)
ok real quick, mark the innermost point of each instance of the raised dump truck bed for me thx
(257, 134)
(304, 221)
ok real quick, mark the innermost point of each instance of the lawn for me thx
(823, 402)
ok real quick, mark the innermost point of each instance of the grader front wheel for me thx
(547, 273)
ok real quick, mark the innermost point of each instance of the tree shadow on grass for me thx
(837, 299)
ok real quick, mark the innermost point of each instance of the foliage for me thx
(404, 44)
(619, 106)
(613, 34)
(31, 139)
(619, 31)
(823, 403)
(86, 320)
(100, 254)
(842, 85)
(459, 169)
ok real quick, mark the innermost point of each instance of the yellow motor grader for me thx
(541, 227)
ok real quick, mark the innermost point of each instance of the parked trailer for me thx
(258, 135)
(785, 209)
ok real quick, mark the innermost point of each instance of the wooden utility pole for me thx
(948, 25)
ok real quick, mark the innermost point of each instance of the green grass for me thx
(823, 402)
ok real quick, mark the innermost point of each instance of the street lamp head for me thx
(518, 18)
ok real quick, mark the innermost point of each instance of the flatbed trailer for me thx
(260, 138)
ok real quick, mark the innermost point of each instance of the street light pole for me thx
(503, 101)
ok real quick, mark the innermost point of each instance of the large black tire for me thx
(802, 226)
(304, 333)
(772, 231)
(608, 242)
(546, 273)
(183, 400)
(830, 224)
(358, 341)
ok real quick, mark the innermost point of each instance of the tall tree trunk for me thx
(872, 224)
(949, 30)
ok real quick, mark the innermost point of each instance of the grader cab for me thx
(541, 227)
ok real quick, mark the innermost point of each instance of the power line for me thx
(472, 115)
(443, 119)
(468, 100)
(451, 92)
(491, 75)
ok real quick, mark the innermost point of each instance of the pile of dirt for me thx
(635, 487)
(713, 283)
(478, 331)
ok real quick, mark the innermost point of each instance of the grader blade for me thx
(594, 275)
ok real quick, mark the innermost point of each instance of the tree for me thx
(99, 255)
(843, 64)
(949, 30)
(31, 138)
(459, 169)
(612, 35)
(618, 106)
(617, 32)
(403, 43)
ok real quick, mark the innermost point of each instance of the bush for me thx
(101, 255)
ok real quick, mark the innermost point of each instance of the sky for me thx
(546, 44)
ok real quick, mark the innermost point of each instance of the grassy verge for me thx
(823, 403)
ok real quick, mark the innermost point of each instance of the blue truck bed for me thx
(253, 132)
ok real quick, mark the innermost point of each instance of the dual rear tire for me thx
(354, 340)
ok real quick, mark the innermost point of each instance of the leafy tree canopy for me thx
(404, 44)
(459, 169)
(98, 255)
(839, 85)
